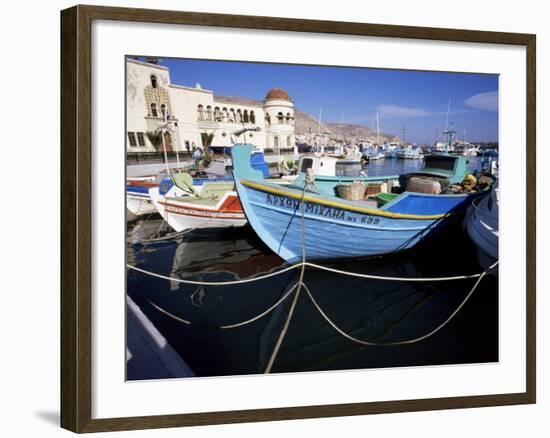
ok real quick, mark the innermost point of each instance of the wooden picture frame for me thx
(76, 217)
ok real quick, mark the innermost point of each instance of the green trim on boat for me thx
(384, 198)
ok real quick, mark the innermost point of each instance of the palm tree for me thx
(155, 138)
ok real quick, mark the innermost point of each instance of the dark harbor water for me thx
(373, 310)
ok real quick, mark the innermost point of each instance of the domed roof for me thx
(277, 94)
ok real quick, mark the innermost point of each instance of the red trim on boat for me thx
(230, 205)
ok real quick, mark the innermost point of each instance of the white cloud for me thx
(486, 101)
(401, 111)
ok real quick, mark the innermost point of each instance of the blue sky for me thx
(353, 95)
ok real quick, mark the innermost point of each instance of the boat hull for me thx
(333, 231)
(410, 156)
(139, 203)
(481, 224)
(181, 215)
(349, 161)
(288, 219)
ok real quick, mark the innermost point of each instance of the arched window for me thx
(224, 115)
(200, 110)
(288, 118)
(217, 114)
(163, 111)
(209, 113)
(288, 141)
(268, 119)
(276, 141)
(280, 117)
(245, 116)
(252, 117)
(232, 115)
(239, 116)
(154, 82)
(154, 112)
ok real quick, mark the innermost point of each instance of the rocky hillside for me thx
(306, 125)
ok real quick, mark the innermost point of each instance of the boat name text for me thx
(320, 210)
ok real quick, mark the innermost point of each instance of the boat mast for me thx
(448, 111)
(319, 128)
(403, 129)
(377, 129)
(341, 123)
(449, 131)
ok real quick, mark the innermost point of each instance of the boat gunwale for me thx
(217, 207)
(295, 194)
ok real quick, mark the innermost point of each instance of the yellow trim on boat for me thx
(336, 204)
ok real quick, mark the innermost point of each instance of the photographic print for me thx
(286, 218)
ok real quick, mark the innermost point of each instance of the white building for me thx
(189, 117)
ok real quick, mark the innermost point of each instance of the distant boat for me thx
(482, 226)
(409, 153)
(470, 151)
(337, 228)
(344, 154)
(390, 149)
(442, 147)
(373, 154)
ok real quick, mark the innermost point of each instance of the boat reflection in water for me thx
(374, 310)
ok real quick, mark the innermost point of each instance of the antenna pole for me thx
(377, 129)
(448, 111)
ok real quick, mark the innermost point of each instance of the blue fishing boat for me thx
(481, 224)
(335, 228)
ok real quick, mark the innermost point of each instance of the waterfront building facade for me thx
(190, 117)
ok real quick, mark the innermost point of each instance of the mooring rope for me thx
(314, 266)
(390, 278)
(408, 341)
(297, 288)
(215, 283)
(234, 325)
(293, 288)
(300, 284)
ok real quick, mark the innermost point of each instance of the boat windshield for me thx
(440, 162)
(307, 163)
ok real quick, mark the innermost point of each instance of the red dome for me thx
(277, 94)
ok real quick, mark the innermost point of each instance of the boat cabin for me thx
(451, 168)
(323, 166)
